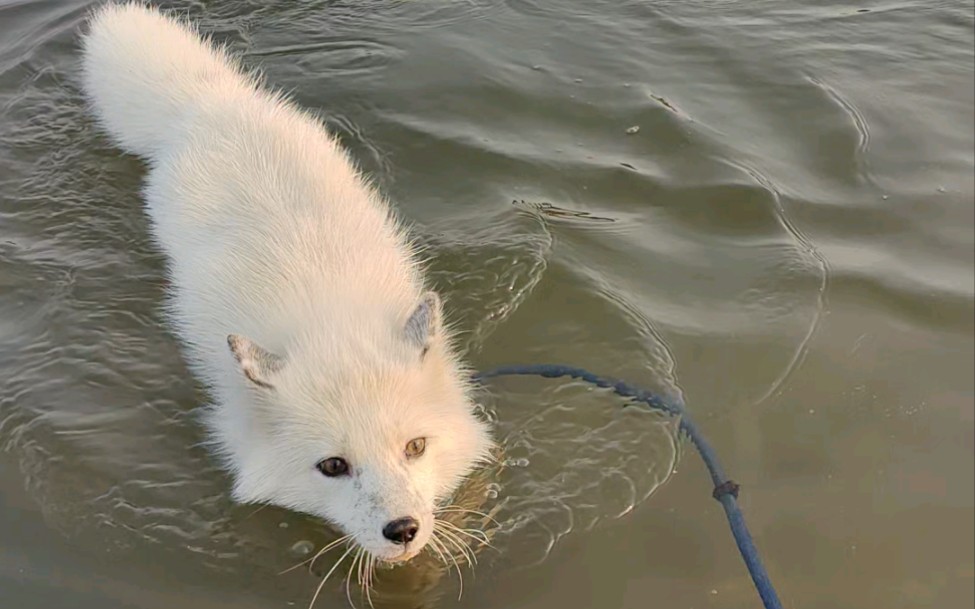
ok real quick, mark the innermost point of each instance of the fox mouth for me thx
(449, 544)
(407, 555)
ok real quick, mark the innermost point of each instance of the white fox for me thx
(295, 292)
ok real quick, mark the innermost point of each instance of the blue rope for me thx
(725, 491)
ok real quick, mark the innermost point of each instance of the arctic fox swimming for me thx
(297, 295)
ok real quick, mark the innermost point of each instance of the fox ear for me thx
(423, 322)
(258, 365)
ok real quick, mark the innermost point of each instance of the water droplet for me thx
(302, 548)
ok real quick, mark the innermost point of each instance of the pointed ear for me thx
(423, 322)
(257, 364)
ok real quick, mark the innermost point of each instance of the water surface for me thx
(764, 206)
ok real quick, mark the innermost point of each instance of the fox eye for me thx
(333, 467)
(415, 447)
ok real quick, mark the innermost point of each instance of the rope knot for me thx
(728, 487)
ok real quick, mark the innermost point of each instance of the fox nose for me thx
(401, 531)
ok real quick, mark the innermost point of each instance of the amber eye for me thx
(333, 467)
(415, 447)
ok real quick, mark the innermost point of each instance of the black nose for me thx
(401, 531)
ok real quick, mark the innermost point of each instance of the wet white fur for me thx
(274, 237)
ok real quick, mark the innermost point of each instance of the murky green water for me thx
(767, 206)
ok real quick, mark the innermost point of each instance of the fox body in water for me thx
(297, 295)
